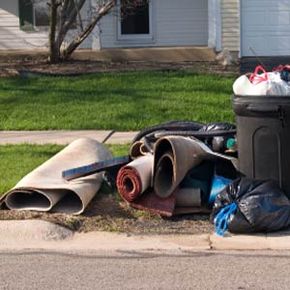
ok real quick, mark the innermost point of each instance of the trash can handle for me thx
(263, 108)
(274, 111)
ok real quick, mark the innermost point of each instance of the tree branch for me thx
(79, 16)
(88, 29)
(67, 22)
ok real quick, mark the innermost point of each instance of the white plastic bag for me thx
(243, 87)
(276, 86)
(261, 84)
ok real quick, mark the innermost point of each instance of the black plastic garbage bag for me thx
(219, 126)
(218, 143)
(248, 205)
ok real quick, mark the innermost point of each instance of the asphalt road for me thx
(133, 270)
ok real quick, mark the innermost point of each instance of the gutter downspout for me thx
(214, 25)
(96, 33)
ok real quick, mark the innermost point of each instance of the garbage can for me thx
(263, 137)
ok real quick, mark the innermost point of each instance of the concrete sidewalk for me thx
(38, 234)
(64, 137)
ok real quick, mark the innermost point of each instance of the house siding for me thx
(175, 23)
(12, 37)
(230, 11)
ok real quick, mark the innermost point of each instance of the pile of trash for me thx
(172, 168)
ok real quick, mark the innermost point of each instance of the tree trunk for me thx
(54, 51)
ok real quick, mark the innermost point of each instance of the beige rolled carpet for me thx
(188, 197)
(138, 149)
(44, 189)
(174, 156)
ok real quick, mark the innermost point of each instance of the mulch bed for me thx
(14, 66)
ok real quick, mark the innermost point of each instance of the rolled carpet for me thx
(174, 156)
(138, 149)
(45, 189)
(188, 197)
(135, 150)
(134, 178)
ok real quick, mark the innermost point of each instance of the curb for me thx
(270, 241)
(37, 234)
(22, 232)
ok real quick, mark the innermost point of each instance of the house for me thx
(248, 29)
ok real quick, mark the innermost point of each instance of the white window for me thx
(135, 24)
(33, 14)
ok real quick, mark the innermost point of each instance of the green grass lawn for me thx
(18, 160)
(120, 101)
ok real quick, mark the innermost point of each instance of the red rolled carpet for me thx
(129, 183)
(134, 178)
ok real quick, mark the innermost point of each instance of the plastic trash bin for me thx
(263, 137)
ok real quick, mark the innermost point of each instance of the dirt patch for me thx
(23, 65)
(107, 213)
